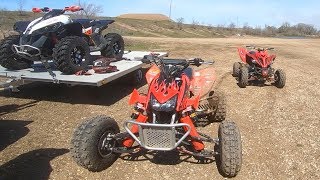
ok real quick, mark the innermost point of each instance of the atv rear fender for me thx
(203, 81)
(243, 54)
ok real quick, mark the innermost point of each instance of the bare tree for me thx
(221, 27)
(180, 22)
(89, 10)
(232, 26)
(305, 29)
(258, 30)
(270, 30)
(195, 23)
(209, 26)
(284, 28)
(20, 6)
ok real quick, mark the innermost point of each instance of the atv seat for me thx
(86, 23)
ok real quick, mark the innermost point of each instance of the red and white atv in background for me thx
(164, 120)
(256, 66)
(56, 36)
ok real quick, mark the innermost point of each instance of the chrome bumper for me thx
(159, 137)
(24, 50)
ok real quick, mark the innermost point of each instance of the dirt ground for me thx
(280, 128)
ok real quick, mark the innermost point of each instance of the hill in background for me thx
(158, 25)
(155, 17)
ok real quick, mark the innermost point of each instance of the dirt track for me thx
(280, 128)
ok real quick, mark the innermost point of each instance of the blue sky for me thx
(254, 12)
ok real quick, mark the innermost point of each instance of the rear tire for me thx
(243, 77)
(8, 58)
(229, 160)
(115, 48)
(236, 69)
(220, 114)
(72, 54)
(280, 78)
(86, 148)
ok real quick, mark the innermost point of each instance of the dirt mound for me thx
(157, 17)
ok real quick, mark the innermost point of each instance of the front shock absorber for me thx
(189, 116)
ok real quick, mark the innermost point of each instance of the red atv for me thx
(256, 65)
(164, 120)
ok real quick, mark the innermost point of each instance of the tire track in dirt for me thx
(279, 127)
(250, 108)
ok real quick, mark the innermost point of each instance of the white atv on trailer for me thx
(57, 37)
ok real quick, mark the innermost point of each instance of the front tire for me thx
(229, 160)
(236, 69)
(72, 54)
(243, 77)
(87, 146)
(115, 48)
(8, 58)
(280, 78)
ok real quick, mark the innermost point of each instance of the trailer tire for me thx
(8, 58)
(137, 77)
(72, 54)
(229, 160)
(86, 148)
(115, 47)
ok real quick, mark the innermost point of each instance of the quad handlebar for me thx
(259, 48)
(173, 67)
(182, 62)
(46, 9)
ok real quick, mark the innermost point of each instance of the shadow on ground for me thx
(105, 95)
(33, 165)
(164, 158)
(6, 109)
(11, 131)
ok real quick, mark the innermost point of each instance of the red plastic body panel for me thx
(164, 89)
(36, 10)
(261, 57)
(152, 73)
(73, 8)
(243, 54)
(203, 81)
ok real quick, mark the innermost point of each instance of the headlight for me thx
(168, 106)
(47, 29)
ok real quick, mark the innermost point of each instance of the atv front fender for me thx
(21, 26)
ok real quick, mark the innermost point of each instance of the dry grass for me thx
(280, 127)
(154, 17)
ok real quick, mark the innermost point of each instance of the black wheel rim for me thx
(77, 55)
(106, 143)
(276, 77)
